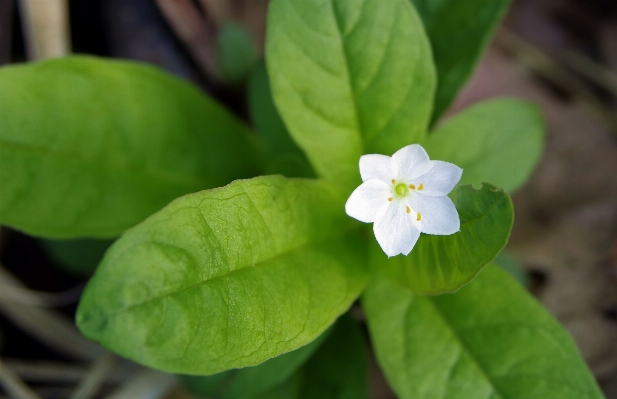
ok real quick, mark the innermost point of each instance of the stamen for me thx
(421, 187)
(401, 190)
(390, 199)
(419, 217)
(411, 186)
(408, 210)
(393, 181)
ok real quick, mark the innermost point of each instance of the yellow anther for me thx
(393, 181)
(390, 199)
(419, 217)
(421, 187)
(411, 186)
(408, 210)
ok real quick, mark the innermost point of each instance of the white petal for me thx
(439, 215)
(367, 200)
(440, 179)
(395, 230)
(410, 162)
(375, 166)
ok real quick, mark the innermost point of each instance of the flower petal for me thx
(367, 200)
(395, 230)
(440, 179)
(438, 214)
(410, 162)
(376, 166)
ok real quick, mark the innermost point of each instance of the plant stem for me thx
(46, 28)
(590, 69)
(92, 381)
(47, 325)
(191, 28)
(63, 373)
(35, 298)
(146, 384)
(544, 66)
(14, 386)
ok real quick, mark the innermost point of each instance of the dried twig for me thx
(191, 27)
(62, 373)
(92, 381)
(544, 66)
(47, 325)
(219, 11)
(26, 296)
(147, 384)
(14, 386)
(590, 69)
(46, 28)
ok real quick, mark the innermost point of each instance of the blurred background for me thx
(561, 54)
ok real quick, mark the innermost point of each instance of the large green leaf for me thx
(498, 141)
(227, 278)
(511, 265)
(286, 157)
(90, 147)
(460, 31)
(252, 381)
(441, 264)
(489, 340)
(349, 77)
(338, 370)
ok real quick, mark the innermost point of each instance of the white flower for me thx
(405, 195)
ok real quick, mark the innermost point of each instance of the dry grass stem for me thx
(92, 381)
(591, 70)
(545, 66)
(191, 28)
(47, 326)
(146, 384)
(14, 386)
(26, 296)
(218, 11)
(46, 28)
(42, 371)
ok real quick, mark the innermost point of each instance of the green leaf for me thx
(286, 157)
(441, 264)
(489, 340)
(79, 257)
(227, 278)
(349, 78)
(498, 141)
(510, 264)
(459, 32)
(338, 370)
(236, 52)
(90, 147)
(252, 381)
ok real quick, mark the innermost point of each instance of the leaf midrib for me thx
(340, 233)
(466, 349)
(471, 355)
(352, 93)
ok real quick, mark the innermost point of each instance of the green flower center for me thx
(401, 190)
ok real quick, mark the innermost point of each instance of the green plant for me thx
(228, 278)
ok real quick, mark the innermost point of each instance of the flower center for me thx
(401, 190)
